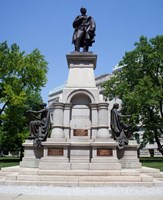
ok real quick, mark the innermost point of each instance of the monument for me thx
(80, 150)
(80, 137)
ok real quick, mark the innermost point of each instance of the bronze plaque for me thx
(55, 152)
(104, 152)
(80, 132)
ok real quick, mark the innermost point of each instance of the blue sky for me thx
(47, 25)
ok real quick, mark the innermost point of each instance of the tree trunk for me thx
(21, 153)
(1, 110)
(160, 147)
(161, 108)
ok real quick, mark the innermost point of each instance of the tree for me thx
(21, 78)
(20, 73)
(15, 122)
(140, 86)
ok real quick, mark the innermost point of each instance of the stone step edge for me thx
(79, 184)
(141, 178)
(81, 172)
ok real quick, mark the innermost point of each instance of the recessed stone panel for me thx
(55, 152)
(104, 152)
(80, 132)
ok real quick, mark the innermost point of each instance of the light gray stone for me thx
(32, 155)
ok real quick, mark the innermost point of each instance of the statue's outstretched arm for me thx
(36, 112)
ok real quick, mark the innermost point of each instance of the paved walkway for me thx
(80, 193)
(64, 197)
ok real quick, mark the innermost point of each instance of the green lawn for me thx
(10, 164)
(153, 162)
(9, 161)
(158, 165)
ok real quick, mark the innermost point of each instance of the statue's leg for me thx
(77, 45)
(78, 40)
(86, 42)
(31, 130)
(34, 127)
(85, 49)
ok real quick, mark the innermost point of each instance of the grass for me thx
(158, 165)
(156, 162)
(9, 161)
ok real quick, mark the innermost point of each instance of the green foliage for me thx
(21, 78)
(140, 85)
(20, 73)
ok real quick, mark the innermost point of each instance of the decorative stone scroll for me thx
(104, 152)
(80, 132)
(55, 152)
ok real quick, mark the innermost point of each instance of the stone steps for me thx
(150, 171)
(81, 172)
(77, 177)
(70, 178)
(79, 184)
(161, 174)
(8, 170)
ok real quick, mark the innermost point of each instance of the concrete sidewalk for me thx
(8, 192)
(54, 197)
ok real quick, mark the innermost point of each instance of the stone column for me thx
(57, 128)
(94, 116)
(103, 132)
(66, 120)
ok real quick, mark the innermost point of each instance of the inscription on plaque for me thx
(80, 132)
(80, 117)
(55, 152)
(104, 152)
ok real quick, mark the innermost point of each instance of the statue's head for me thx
(42, 105)
(116, 105)
(83, 10)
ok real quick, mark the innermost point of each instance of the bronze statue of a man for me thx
(84, 32)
